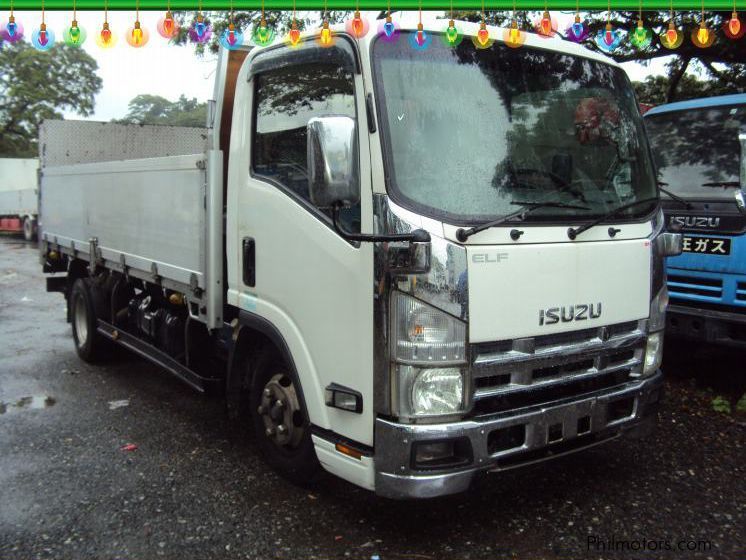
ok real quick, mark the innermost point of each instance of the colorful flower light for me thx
(293, 38)
(672, 38)
(12, 31)
(578, 31)
(482, 39)
(640, 36)
(388, 30)
(326, 36)
(137, 36)
(231, 37)
(357, 26)
(106, 39)
(74, 36)
(42, 38)
(733, 28)
(703, 37)
(608, 39)
(200, 31)
(451, 35)
(420, 40)
(546, 26)
(512, 36)
(167, 26)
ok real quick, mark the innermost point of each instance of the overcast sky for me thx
(167, 70)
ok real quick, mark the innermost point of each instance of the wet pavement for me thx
(123, 461)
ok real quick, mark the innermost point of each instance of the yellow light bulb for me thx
(703, 34)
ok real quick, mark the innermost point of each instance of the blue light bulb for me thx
(388, 28)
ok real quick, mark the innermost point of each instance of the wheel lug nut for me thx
(281, 429)
(267, 393)
(261, 409)
(279, 403)
(269, 432)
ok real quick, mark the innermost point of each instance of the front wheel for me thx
(280, 421)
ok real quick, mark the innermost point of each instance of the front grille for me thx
(741, 291)
(711, 288)
(524, 372)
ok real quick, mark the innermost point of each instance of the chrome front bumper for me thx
(598, 416)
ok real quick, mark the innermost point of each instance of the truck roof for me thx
(701, 103)
(468, 29)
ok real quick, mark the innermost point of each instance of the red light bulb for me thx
(734, 24)
(609, 34)
(294, 34)
(358, 28)
(420, 35)
(546, 24)
(106, 34)
(671, 34)
(483, 36)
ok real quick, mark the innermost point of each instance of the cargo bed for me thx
(148, 217)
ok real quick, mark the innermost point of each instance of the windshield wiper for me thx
(723, 184)
(673, 196)
(572, 233)
(525, 209)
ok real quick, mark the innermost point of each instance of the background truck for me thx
(379, 282)
(19, 180)
(700, 160)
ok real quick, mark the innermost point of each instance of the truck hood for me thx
(536, 289)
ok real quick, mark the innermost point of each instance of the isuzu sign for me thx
(567, 314)
(695, 222)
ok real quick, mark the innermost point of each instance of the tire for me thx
(29, 228)
(290, 453)
(89, 345)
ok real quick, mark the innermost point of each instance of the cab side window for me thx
(285, 100)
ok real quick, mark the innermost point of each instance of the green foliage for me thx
(741, 405)
(154, 109)
(38, 85)
(720, 404)
(654, 89)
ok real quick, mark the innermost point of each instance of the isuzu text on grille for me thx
(579, 312)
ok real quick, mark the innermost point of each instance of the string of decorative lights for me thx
(263, 33)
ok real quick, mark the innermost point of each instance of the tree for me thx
(654, 89)
(154, 109)
(38, 85)
(724, 62)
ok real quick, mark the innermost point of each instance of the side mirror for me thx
(332, 161)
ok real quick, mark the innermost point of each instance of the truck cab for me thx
(416, 264)
(698, 148)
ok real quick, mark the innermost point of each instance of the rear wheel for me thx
(280, 421)
(88, 343)
(29, 228)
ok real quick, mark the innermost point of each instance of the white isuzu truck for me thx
(404, 266)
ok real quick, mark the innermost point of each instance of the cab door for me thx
(314, 286)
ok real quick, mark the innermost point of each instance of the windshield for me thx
(470, 133)
(699, 146)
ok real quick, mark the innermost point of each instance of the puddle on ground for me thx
(34, 401)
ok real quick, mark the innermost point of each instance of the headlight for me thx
(430, 392)
(657, 319)
(428, 347)
(653, 353)
(422, 334)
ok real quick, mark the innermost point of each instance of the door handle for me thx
(249, 261)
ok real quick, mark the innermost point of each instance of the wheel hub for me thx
(280, 409)
(81, 321)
